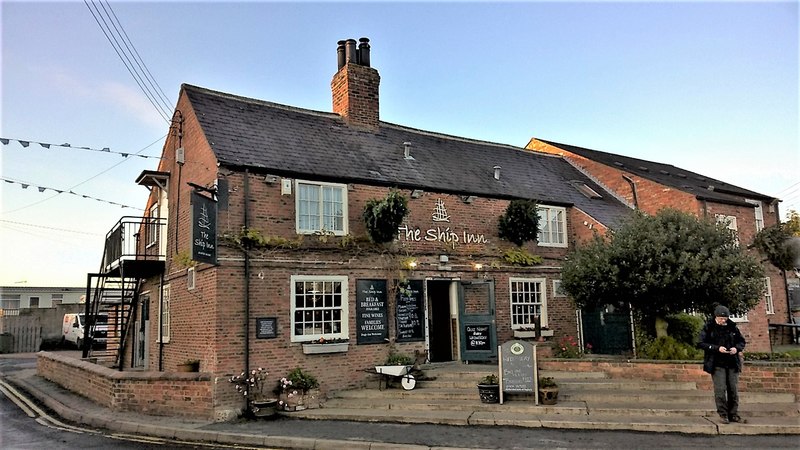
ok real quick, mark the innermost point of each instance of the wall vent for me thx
(190, 278)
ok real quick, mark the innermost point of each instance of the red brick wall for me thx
(355, 94)
(154, 393)
(755, 376)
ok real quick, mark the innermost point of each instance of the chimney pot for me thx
(350, 51)
(363, 52)
(340, 54)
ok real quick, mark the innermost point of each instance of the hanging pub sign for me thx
(410, 312)
(372, 324)
(204, 229)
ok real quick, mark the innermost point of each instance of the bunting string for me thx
(61, 191)
(26, 144)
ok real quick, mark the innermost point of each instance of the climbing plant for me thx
(520, 222)
(382, 217)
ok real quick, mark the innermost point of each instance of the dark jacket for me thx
(713, 336)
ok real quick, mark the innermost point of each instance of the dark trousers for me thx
(726, 391)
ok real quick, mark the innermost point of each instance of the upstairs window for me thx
(759, 214)
(152, 225)
(319, 307)
(730, 222)
(56, 299)
(552, 226)
(33, 302)
(9, 301)
(527, 301)
(768, 296)
(321, 207)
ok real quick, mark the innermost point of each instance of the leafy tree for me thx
(520, 223)
(779, 246)
(793, 222)
(664, 264)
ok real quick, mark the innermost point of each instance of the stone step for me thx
(682, 424)
(701, 408)
(674, 396)
(599, 383)
(460, 372)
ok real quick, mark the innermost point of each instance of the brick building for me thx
(255, 221)
(651, 186)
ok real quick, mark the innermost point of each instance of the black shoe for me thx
(724, 419)
(737, 418)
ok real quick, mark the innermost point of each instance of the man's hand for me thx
(733, 351)
(723, 349)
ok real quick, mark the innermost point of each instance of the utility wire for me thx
(48, 228)
(125, 59)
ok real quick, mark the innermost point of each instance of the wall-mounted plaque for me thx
(266, 327)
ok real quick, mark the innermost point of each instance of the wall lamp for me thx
(417, 193)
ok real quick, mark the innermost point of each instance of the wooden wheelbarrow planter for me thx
(387, 373)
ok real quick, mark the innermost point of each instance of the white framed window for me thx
(191, 278)
(730, 222)
(768, 296)
(165, 306)
(321, 207)
(557, 291)
(552, 226)
(759, 214)
(152, 225)
(319, 307)
(528, 300)
(56, 299)
(9, 301)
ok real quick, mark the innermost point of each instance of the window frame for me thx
(557, 291)
(344, 307)
(8, 300)
(545, 213)
(164, 320)
(152, 226)
(759, 214)
(731, 223)
(31, 301)
(769, 304)
(542, 284)
(56, 299)
(320, 213)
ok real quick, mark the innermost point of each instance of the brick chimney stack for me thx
(355, 85)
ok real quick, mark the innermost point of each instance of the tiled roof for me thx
(702, 186)
(283, 140)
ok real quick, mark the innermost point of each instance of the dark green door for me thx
(476, 320)
(607, 330)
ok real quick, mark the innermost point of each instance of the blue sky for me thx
(709, 87)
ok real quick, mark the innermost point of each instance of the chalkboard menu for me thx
(410, 313)
(372, 324)
(266, 327)
(517, 366)
(478, 337)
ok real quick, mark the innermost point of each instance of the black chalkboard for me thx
(478, 337)
(517, 362)
(372, 323)
(410, 312)
(266, 327)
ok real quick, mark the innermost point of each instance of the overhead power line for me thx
(25, 144)
(48, 228)
(135, 66)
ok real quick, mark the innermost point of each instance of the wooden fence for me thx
(27, 331)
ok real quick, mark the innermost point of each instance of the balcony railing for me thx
(135, 238)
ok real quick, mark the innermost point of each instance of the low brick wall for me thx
(757, 376)
(154, 393)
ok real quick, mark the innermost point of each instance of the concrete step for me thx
(669, 396)
(682, 424)
(572, 384)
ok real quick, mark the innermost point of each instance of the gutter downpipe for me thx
(633, 190)
(246, 282)
(161, 323)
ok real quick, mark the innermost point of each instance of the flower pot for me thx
(315, 349)
(548, 396)
(263, 408)
(489, 393)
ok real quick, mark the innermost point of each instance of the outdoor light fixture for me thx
(417, 193)
(478, 266)
(468, 199)
(412, 264)
(444, 259)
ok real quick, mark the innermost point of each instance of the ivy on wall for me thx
(383, 217)
(520, 222)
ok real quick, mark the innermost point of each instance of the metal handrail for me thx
(134, 237)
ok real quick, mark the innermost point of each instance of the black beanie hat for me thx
(721, 311)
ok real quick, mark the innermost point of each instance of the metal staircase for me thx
(112, 294)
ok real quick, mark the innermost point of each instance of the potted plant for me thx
(489, 389)
(190, 365)
(548, 391)
(251, 386)
(298, 390)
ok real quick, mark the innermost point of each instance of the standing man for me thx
(723, 343)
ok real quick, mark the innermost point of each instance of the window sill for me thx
(525, 334)
(316, 349)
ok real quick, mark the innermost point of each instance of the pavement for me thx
(287, 432)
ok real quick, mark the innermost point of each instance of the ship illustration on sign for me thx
(203, 221)
(440, 213)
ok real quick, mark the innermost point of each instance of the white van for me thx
(72, 329)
